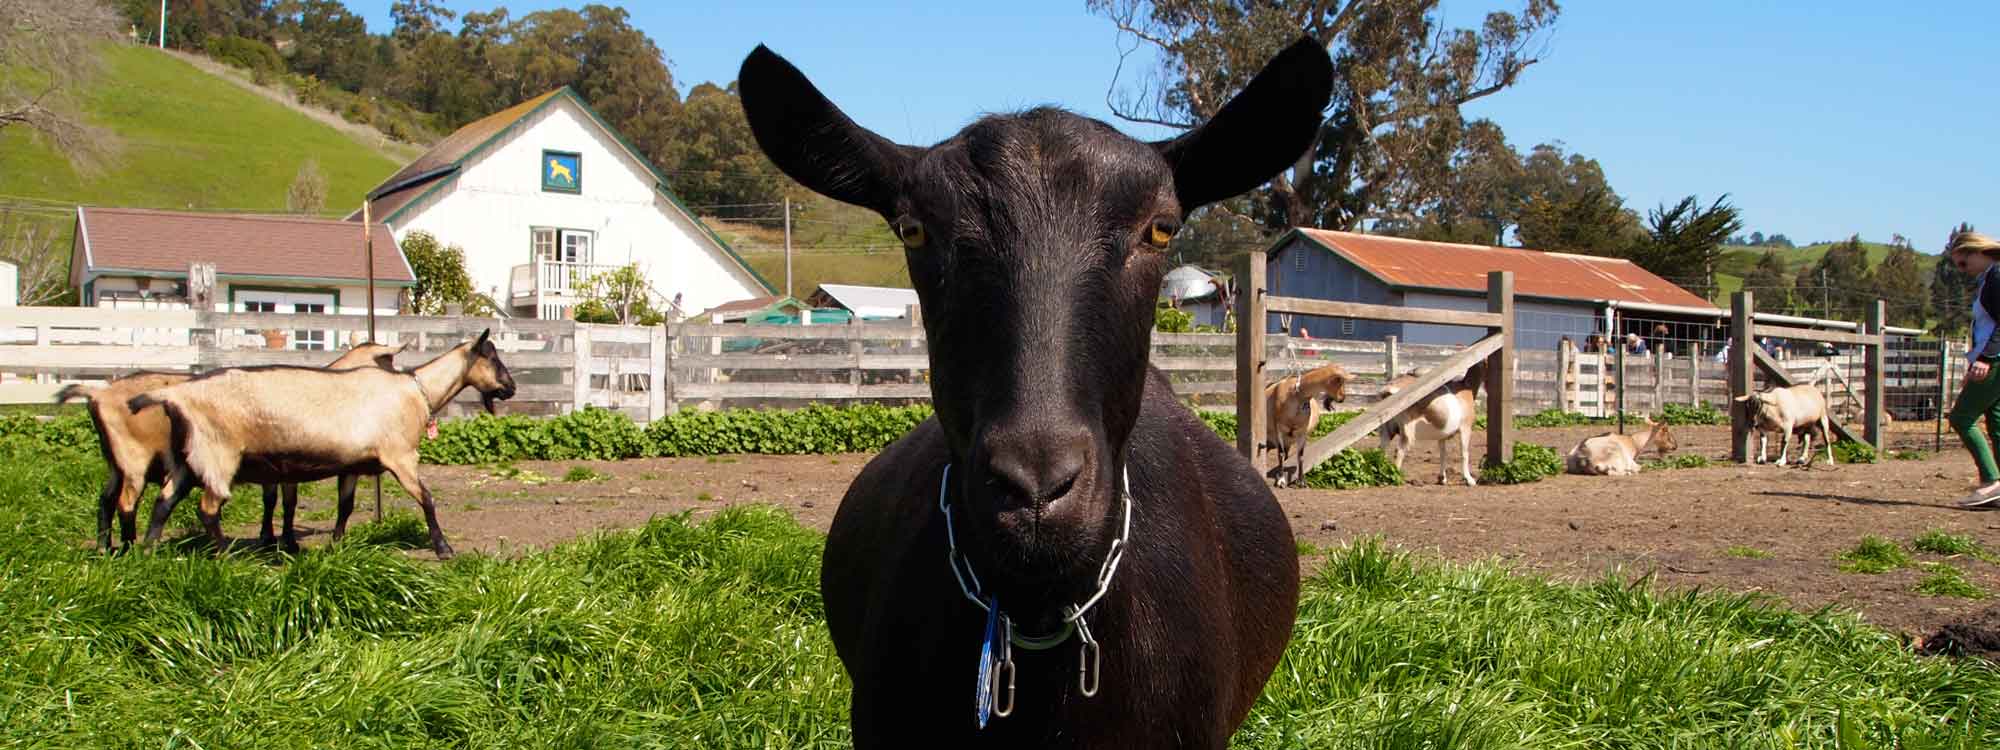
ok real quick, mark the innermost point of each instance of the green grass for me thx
(1681, 461)
(710, 635)
(833, 243)
(1872, 556)
(1941, 542)
(1747, 553)
(190, 139)
(1909, 455)
(584, 474)
(1942, 579)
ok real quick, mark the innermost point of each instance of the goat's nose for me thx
(1036, 466)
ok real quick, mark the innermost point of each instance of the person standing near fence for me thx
(1975, 254)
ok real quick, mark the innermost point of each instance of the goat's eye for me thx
(910, 232)
(1160, 232)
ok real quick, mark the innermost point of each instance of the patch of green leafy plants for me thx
(1874, 555)
(584, 474)
(1909, 455)
(1353, 469)
(605, 435)
(1850, 452)
(1943, 579)
(1680, 461)
(1679, 415)
(1531, 463)
(1558, 418)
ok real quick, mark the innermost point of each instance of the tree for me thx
(1779, 240)
(1593, 222)
(1900, 283)
(441, 277)
(1400, 80)
(30, 245)
(1840, 284)
(307, 195)
(1214, 236)
(48, 49)
(719, 162)
(621, 296)
(1771, 284)
(1684, 242)
(1951, 295)
(1756, 238)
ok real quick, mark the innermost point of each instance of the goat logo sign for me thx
(562, 171)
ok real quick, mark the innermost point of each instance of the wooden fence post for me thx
(580, 341)
(1621, 384)
(1943, 392)
(1565, 374)
(1389, 358)
(1660, 381)
(1871, 428)
(854, 351)
(1742, 311)
(1694, 374)
(915, 314)
(1500, 370)
(1250, 324)
(656, 373)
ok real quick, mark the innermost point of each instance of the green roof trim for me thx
(659, 178)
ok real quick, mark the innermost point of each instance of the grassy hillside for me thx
(188, 140)
(833, 243)
(1737, 261)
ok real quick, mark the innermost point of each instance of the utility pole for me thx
(1825, 298)
(788, 246)
(368, 252)
(163, 25)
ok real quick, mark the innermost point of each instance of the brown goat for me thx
(1061, 500)
(1294, 405)
(1445, 414)
(1612, 454)
(135, 447)
(296, 424)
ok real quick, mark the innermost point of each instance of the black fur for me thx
(1032, 263)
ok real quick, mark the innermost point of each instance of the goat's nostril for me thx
(1037, 469)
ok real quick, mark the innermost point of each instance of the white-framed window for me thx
(561, 245)
(307, 303)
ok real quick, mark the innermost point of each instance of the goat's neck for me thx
(442, 378)
(1643, 439)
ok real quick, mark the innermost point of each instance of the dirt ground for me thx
(1678, 525)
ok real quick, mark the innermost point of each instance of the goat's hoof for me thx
(444, 552)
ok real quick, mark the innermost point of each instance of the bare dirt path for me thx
(1686, 527)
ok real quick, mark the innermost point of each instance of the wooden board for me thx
(1331, 309)
(1355, 429)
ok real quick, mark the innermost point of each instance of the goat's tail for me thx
(142, 402)
(74, 391)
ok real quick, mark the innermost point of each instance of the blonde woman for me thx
(1975, 254)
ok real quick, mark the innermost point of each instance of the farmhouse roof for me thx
(442, 163)
(115, 240)
(1420, 264)
(865, 301)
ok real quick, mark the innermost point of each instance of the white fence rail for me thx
(650, 371)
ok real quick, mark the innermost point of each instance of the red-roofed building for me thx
(1556, 294)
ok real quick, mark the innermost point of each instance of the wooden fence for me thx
(649, 371)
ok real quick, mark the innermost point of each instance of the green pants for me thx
(1980, 399)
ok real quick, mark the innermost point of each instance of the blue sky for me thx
(1819, 119)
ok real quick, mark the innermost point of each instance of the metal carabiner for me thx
(1089, 661)
(1006, 667)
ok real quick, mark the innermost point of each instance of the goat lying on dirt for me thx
(298, 424)
(1611, 454)
(1061, 500)
(1445, 414)
(135, 446)
(1798, 409)
(1295, 404)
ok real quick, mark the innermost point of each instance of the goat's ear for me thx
(408, 344)
(813, 141)
(483, 336)
(1259, 133)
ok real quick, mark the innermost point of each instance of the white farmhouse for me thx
(542, 196)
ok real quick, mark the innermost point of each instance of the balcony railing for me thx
(551, 287)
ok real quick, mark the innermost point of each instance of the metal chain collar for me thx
(1089, 656)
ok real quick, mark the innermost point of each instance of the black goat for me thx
(1145, 577)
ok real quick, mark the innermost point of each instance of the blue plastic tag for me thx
(983, 695)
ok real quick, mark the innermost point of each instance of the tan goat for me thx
(1612, 454)
(1446, 414)
(297, 424)
(1791, 410)
(1294, 405)
(135, 447)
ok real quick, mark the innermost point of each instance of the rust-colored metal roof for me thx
(1420, 264)
(448, 152)
(133, 239)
